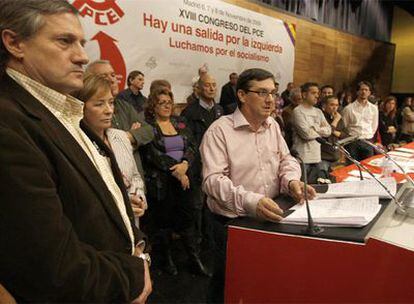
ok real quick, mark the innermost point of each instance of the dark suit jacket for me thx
(228, 99)
(61, 235)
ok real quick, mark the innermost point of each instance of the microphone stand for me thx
(405, 190)
(361, 166)
(387, 156)
(311, 229)
(344, 142)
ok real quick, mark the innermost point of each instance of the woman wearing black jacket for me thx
(168, 161)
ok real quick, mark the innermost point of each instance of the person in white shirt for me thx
(309, 123)
(361, 120)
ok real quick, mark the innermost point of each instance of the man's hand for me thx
(142, 298)
(296, 190)
(268, 210)
(337, 116)
(138, 205)
(135, 125)
(336, 133)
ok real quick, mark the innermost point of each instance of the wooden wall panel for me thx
(330, 56)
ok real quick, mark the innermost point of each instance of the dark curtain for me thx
(368, 18)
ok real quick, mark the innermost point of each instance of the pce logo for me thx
(104, 12)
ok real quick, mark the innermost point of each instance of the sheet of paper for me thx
(360, 188)
(399, 154)
(353, 212)
(406, 150)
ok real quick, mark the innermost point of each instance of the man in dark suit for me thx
(228, 97)
(66, 232)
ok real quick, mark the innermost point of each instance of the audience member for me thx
(330, 156)
(345, 98)
(160, 83)
(133, 94)
(193, 97)
(326, 90)
(295, 98)
(66, 231)
(228, 98)
(286, 93)
(169, 159)
(406, 102)
(276, 113)
(361, 120)
(125, 117)
(246, 184)
(309, 123)
(407, 125)
(388, 125)
(200, 115)
(96, 123)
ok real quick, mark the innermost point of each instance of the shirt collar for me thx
(240, 121)
(206, 105)
(51, 99)
(358, 104)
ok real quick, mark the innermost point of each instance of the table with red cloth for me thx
(342, 173)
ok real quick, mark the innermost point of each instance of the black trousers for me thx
(215, 291)
(175, 211)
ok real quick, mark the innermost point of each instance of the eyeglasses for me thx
(165, 103)
(264, 93)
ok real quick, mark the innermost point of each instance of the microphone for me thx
(336, 146)
(312, 229)
(361, 166)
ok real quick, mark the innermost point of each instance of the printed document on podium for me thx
(360, 188)
(343, 212)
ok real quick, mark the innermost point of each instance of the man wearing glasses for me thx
(246, 163)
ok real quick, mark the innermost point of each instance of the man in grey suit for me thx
(67, 232)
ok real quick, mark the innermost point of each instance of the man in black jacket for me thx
(200, 115)
(65, 221)
(228, 97)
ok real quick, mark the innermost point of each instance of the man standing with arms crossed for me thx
(66, 223)
(361, 120)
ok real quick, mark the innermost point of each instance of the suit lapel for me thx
(69, 147)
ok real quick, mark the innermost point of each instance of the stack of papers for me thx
(346, 212)
(360, 188)
(351, 204)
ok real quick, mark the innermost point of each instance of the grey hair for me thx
(25, 18)
(91, 65)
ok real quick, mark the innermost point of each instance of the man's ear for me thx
(12, 43)
(241, 94)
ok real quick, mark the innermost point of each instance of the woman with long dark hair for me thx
(388, 125)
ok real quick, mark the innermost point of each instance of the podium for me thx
(270, 263)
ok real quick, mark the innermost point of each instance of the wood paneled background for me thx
(328, 56)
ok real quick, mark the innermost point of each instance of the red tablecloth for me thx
(341, 173)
